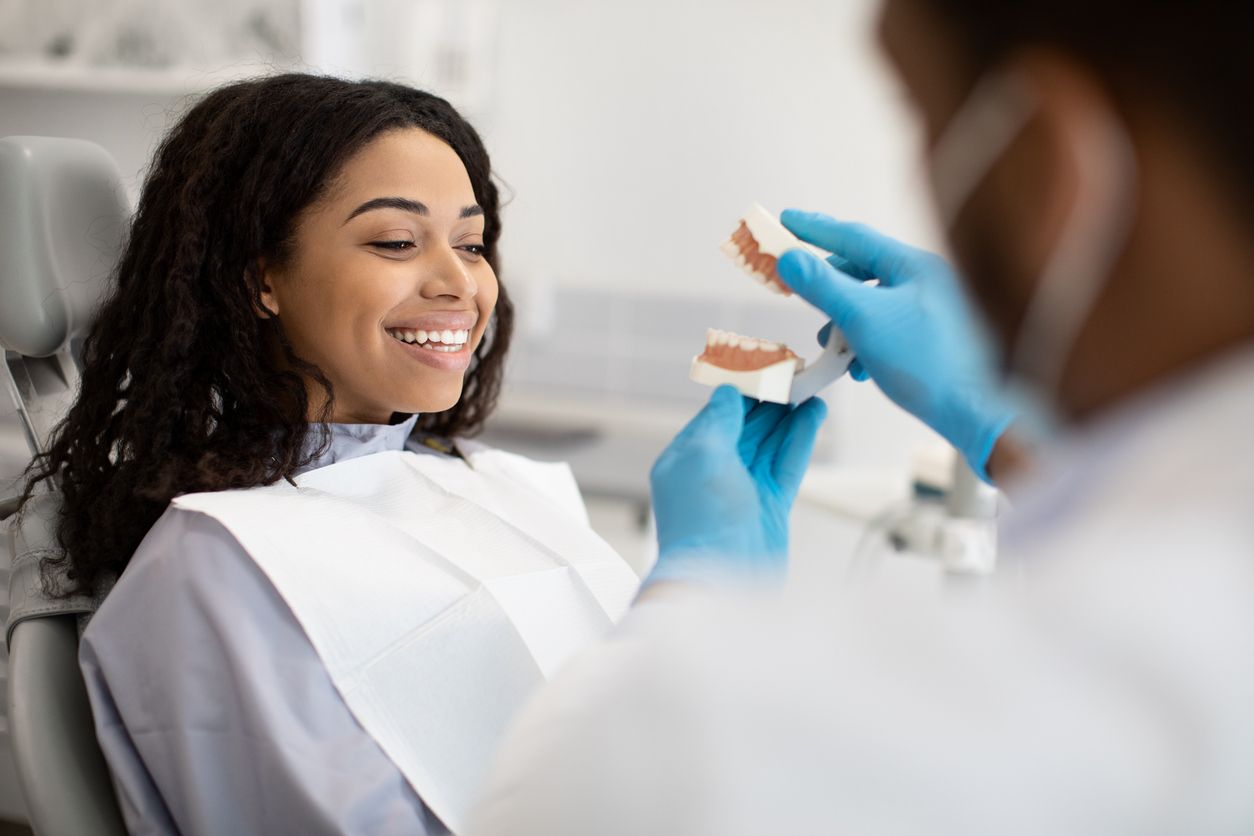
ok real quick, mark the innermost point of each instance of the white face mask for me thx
(1095, 232)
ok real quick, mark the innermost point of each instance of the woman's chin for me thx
(432, 402)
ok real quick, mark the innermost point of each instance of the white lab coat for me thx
(1103, 683)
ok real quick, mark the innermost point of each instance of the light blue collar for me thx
(350, 441)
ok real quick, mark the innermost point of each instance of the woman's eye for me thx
(394, 246)
(474, 249)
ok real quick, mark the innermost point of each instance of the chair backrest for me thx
(63, 213)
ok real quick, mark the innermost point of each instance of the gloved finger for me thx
(847, 267)
(824, 287)
(767, 450)
(759, 423)
(871, 252)
(721, 419)
(825, 334)
(796, 435)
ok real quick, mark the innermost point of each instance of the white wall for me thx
(634, 133)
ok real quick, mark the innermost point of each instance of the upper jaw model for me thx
(761, 369)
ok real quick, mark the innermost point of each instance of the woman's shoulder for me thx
(184, 554)
(191, 591)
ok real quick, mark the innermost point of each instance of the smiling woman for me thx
(395, 248)
(329, 602)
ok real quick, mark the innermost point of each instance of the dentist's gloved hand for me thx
(914, 333)
(723, 489)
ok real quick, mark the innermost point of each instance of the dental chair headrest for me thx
(63, 216)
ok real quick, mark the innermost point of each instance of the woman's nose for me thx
(447, 275)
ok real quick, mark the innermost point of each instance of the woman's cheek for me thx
(486, 297)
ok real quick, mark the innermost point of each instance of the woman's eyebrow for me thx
(402, 203)
(406, 205)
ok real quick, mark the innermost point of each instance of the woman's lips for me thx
(436, 321)
(442, 340)
(451, 361)
(427, 338)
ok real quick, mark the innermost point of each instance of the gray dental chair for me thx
(63, 213)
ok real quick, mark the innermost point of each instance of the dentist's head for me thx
(1097, 188)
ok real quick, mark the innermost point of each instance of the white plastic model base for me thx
(771, 383)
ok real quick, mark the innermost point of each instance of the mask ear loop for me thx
(994, 115)
(1094, 236)
(1079, 269)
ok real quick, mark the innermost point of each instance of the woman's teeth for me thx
(448, 341)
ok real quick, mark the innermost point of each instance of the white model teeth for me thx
(435, 340)
(760, 278)
(716, 337)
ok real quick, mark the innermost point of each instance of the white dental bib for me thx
(438, 592)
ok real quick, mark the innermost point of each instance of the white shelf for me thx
(176, 81)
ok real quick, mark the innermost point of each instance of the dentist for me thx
(1093, 166)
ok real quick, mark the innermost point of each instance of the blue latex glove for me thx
(723, 489)
(914, 333)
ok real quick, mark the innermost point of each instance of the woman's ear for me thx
(260, 281)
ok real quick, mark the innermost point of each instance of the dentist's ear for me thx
(259, 281)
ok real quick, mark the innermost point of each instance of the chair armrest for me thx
(65, 780)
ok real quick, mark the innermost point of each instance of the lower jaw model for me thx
(758, 368)
(761, 369)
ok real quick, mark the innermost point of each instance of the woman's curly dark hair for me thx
(184, 388)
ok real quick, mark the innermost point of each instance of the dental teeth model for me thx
(757, 244)
(758, 368)
(762, 369)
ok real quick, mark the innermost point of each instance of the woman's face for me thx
(387, 290)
